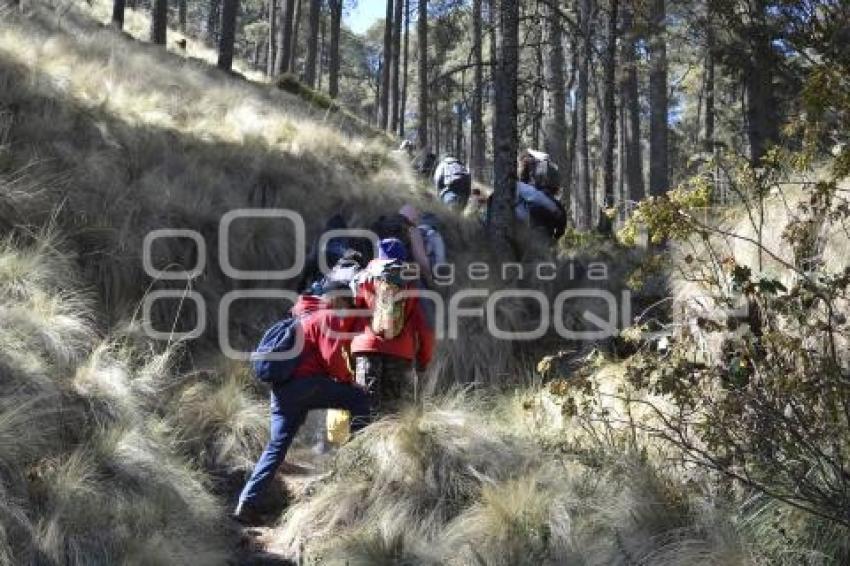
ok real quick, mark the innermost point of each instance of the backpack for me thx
(278, 342)
(388, 313)
(456, 177)
(545, 173)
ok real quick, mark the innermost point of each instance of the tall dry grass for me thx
(89, 475)
(452, 483)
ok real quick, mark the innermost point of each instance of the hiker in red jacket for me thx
(400, 332)
(322, 379)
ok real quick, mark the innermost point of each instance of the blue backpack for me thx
(276, 358)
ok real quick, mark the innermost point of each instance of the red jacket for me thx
(416, 340)
(324, 352)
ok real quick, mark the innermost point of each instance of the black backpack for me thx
(276, 357)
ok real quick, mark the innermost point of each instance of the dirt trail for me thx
(302, 468)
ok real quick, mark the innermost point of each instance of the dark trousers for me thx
(289, 407)
(388, 379)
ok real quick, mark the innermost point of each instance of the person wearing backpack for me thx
(537, 205)
(453, 183)
(400, 333)
(318, 377)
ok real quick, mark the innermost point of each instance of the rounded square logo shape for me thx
(300, 243)
(224, 320)
(182, 295)
(186, 275)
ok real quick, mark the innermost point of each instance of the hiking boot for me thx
(247, 515)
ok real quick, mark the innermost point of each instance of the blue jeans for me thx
(289, 407)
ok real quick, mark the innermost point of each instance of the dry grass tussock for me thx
(88, 473)
(445, 484)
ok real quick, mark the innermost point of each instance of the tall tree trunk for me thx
(159, 21)
(422, 35)
(609, 110)
(555, 102)
(386, 77)
(323, 53)
(182, 15)
(761, 104)
(459, 131)
(213, 18)
(333, 66)
(272, 37)
(283, 59)
(709, 89)
(118, 8)
(631, 100)
(622, 197)
(569, 173)
(583, 198)
(378, 88)
(229, 11)
(477, 157)
(658, 176)
(312, 43)
(395, 78)
(296, 28)
(437, 129)
(403, 110)
(505, 137)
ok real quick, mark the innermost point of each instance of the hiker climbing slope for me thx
(319, 377)
(453, 182)
(537, 190)
(400, 332)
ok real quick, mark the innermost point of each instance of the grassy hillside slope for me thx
(118, 449)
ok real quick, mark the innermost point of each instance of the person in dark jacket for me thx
(453, 183)
(323, 379)
(537, 191)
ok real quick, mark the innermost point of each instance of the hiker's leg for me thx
(368, 370)
(330, 394)
(286, 417)
(397, 383)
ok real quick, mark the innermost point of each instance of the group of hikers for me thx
(359, 333)
(536, 206)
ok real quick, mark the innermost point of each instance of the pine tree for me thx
(479, 144)
(422, 35)
(505, 137)
(229, 11)
(658, 111)
(383, 115)
(312, 43)
(118, 9)
(159, 22)
(333, 65)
